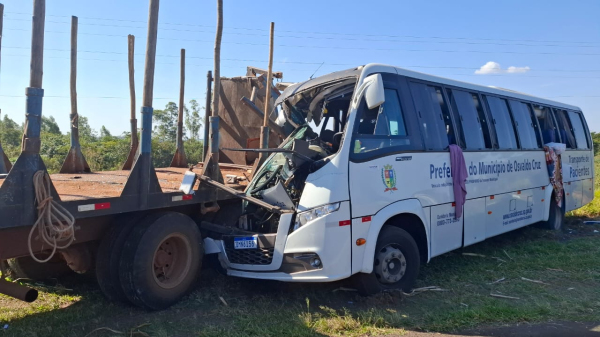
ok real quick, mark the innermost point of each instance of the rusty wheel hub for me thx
(172, 261)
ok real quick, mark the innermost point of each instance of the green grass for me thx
(566, 261)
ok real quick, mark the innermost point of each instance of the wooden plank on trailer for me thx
(241, 195)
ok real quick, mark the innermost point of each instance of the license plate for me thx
(245, 243)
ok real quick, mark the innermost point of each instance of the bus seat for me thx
(549, 136)
(563, 136)
(327, 136)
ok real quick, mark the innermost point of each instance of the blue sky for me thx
(553, 47)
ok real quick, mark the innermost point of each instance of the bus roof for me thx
(374, 68)
(481, 88)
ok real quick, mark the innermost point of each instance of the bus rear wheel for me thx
(395, 266)
(161, 260)
(556, 216)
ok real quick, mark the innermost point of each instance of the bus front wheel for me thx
(395, 266)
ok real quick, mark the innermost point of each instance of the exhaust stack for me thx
(18, 291)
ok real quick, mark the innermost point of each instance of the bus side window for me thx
(434, 116)
(544, 116)
(525, 124)
(502, 121)
(382, 127)
(385, 120)
(564, 128)
(579, 130)
(472, 118)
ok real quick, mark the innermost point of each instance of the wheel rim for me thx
(390, 264)
(172, 261)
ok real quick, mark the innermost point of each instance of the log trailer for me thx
(145, 232)
(141, 229)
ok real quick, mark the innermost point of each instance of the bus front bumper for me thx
(317, 252)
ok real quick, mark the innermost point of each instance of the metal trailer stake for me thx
(133, 150)
(142, 180)
(17, 204)
(207, 113)
(180, 160)
(214, 121)
(75, 161)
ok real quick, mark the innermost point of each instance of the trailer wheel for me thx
(26, 267)
(108, 258)
(161, 260)
(396, 263)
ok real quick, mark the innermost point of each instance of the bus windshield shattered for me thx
(317, 110)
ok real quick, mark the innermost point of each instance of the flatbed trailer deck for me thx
(110, 184)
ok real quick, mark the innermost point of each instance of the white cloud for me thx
(495, 68)
(517, 70)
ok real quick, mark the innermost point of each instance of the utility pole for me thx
(75, 161)
(264, 131)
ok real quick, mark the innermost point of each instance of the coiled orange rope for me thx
(55, 226)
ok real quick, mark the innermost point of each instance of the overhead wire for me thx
(304, 32)
(466, 39)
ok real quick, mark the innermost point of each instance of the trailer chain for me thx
(55, 225)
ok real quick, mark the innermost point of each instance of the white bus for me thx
(369, 192)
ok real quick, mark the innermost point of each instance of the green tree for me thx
(165, 123)
(194, 151)
(104, 133)
(53, 150)
(49, 125)
(596, 141)
(10, 137)
(85, 130)
(193, 122)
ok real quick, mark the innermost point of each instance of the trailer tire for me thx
(401, 251)
(108, 258)
(161, 260)
(27, 268)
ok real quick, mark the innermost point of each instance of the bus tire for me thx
(395, 266)
(556, 216)
(108, 258)
(27, 268)
(161, 260)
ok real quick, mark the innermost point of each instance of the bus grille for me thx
(261, 256)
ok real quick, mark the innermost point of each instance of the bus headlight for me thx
(315, 213)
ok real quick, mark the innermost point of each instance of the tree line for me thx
(104, 151)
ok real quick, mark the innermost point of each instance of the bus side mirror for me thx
(374, 91)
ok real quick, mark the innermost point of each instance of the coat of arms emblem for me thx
(388, 175)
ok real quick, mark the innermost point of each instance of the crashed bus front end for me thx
(306, 235)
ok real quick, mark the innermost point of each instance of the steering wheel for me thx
(267, 181)
(337, 140)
